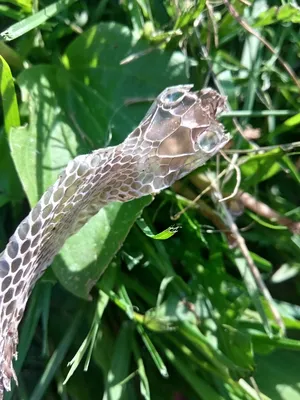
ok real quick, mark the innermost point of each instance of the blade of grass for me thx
(165, 234)
(253, 291)
(200, 386)
(158, 361)
(107, 282)
(56, 359)
(144, 383)
(45, 315)
(29, 325)
(119, 368)
(257, 114)
(32, 22)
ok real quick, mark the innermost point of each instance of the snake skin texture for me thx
(178, 134)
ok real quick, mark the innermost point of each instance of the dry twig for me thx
(204, 209)
(252, 267)
(267, 212)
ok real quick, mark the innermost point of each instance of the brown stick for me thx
(265, 211)
(204, 210)
(249, 260)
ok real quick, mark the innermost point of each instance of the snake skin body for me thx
(178, 134)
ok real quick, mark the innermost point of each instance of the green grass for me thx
(143, 308)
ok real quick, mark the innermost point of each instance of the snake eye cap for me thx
(211, 140)
(173, 95)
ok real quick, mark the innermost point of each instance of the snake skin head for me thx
(178, 134)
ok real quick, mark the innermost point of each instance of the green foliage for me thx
(176, 314)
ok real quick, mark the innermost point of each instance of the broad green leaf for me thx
(286, 13)
(114, 83)
(8, 97)
(289, 13)
(86, 255)
(41, 150)
(277, 375)
(10, 187)
(260, 167)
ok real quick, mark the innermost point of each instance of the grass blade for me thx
(32, 22)
(56, 359)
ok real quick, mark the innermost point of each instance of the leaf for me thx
(158, 361)
(144, 382)
(207, 347)
(260, 167)
(189, 12)
(25, 5)
(261, 262)
(286, 126)
(105, 47)
(56, 358)
(253, 291)
(8, 95)
(285, 13)
(165, 234)
(277, 375)
(119, 365)
(239, 347)
(86, 255)
(29, 325)
(41, 150)
(29, 23)
(9, 182)
(200, 386)
(285, 272)
(108, 281)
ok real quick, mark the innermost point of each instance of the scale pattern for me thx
(178, 134)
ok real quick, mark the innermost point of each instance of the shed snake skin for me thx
(178, 134)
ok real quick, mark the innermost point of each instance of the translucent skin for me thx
(178, 134)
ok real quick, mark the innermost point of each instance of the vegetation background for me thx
(212, 312)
